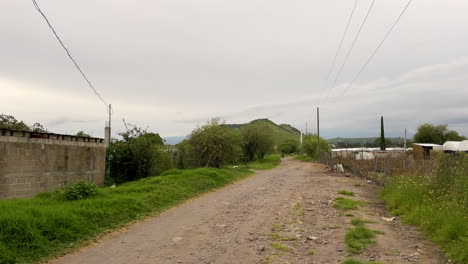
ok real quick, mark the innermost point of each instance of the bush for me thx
(184, 155)
(139, 154)
(80, 190)
(214, 145)
(309, 145)
(289, 146)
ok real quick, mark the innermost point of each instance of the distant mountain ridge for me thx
(279, 133)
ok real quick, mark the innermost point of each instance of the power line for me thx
(349, 52)
(68, 53)
(378, 47)
(342, 39)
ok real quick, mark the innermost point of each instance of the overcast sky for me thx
(173, 64)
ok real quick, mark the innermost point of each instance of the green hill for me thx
(279, 133)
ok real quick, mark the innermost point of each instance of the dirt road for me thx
(284, 215)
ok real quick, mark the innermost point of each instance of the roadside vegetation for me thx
(145, 178)
(35, 229)
(346, 204)
(436, 201)
(358, 238)
(347, 193)
(356, 261)
(269, 162)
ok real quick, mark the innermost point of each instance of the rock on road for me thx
(245, 222)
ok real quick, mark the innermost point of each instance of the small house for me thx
(425, 151)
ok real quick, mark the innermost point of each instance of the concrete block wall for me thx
(36, 162)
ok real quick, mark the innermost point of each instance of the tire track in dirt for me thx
(246, 221)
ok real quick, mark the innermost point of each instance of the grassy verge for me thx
(304, 157)
(437, 202)
(269, 162)
(35, 229)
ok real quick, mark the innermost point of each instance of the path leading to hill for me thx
(284, 215)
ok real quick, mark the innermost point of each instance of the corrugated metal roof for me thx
(427, 145)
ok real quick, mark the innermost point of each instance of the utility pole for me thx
(300, 137)
(318, 133)
(306, 129)
(404, 145)
(110, 118)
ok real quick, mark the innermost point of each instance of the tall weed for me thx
(436, 201)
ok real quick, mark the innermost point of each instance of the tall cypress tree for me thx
(382, 134)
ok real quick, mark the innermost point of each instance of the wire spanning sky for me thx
(172, 65)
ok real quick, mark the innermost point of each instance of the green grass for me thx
(35, 229)
(269, 162)
(436, 201)
(347, 193)
(347, 204)
(276, 236)
(304, 157)
(282, 247)
(356, 261)
(359, 238)
(360, 222)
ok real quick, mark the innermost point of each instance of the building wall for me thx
(36, 162)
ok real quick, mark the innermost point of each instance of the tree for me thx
(382, 134)
(138, 155)
(184, 155)
(309, 145)
(429, 133)
(10, 122)
(289, 146)
(257, 142)
(37, 127)
(82, 134)
(454, 136)
(214, 145)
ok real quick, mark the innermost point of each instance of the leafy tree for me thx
(429, 133)
(309, 145)
(289, 146)
(214, 145)
(82, 134)
(257, 142)
(138, 155)
(38, 128)
(10, 122)
(454, 136)
(184, 155)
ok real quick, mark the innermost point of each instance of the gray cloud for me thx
(175, 64)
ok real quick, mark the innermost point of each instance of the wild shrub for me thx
(214, 145)
(79, 190)
(138, 155)
(289, 146)
(309, 145)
